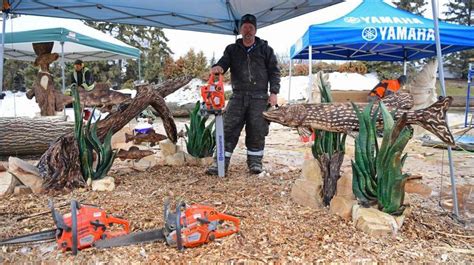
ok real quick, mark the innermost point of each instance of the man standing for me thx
(387, 87)
(254, 70)
(81, 76)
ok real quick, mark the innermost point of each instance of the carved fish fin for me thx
(304, 131)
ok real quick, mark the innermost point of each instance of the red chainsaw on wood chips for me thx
(76, 230)
(190, 226)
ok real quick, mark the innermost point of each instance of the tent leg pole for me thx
(4, 21)
(62, 68)
(443, 90)
(404, 67)
(63, 79)
(310, 74)
(139, 69)
(289, 80)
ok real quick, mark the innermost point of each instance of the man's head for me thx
(78, 65)
(248, 27)
(402, 80)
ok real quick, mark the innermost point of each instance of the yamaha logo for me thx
(369, 33)
(352, 20)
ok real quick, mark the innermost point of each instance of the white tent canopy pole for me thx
(62, 68)
(310, 75)
(4, 19)
(289, 81)
(443, 90)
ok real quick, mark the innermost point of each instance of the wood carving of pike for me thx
(341, 117)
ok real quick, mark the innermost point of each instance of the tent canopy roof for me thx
(80, 41)
(376, 31)
(214, 16)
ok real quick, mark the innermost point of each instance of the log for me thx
(59, 166)
(30, 136)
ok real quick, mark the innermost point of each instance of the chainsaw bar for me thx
(132, 239)
(31, 238)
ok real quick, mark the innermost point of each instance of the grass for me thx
(455, 87)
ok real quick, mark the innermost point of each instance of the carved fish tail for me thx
(433, 119)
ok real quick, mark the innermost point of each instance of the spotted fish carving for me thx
(341, 117)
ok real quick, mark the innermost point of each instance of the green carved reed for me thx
(377, 173)
(201, 141)
(327, 142)
(88, 142)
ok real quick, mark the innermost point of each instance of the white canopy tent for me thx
(72, 40)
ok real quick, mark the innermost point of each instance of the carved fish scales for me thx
(341, 117)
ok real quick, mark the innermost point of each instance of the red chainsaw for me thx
(213, 102)
(76, 230)
(190, 226)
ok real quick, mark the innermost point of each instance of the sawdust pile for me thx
(273, 227)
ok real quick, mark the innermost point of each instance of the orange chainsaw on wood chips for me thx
(190, 226)
(76, 230)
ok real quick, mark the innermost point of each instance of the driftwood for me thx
(59, 165)
(31, 136)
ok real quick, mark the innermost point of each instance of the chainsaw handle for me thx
(230, 218)
(212, 76)
(114, 220)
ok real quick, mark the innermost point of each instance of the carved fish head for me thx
(289, 115)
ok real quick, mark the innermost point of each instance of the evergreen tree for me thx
(460, 12)
(412, 6)
(150, 40)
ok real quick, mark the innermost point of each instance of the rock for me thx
(344, 185)
(307, 193)
(342, 206)
(176, 159)
(418, 188)
(105, 184)
(373, 221)
(25, 173)
(465, 194)
(191, 160)
(124, 146)
(206, 161)
(168, 148)
(311, 170)
(118, 139)
(7, 183)
(22, 189)
(145, 163)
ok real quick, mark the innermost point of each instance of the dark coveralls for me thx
(252, 69)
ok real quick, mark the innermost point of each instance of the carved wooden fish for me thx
(341, 117)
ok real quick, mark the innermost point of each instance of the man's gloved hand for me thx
(273, 99)
(217, 70)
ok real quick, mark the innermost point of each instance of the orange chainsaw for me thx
(76, 230)
(190, 226)
(213, 102)
(213, 99)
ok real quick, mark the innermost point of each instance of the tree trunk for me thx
(59, 166)
(30, 136)
(330, 169)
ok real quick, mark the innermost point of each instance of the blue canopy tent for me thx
(377, 31)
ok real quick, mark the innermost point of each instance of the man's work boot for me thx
(255, 164)
(213, 170)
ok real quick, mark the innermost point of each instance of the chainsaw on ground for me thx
(190, 226)
(76, 230)
(213, 102)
